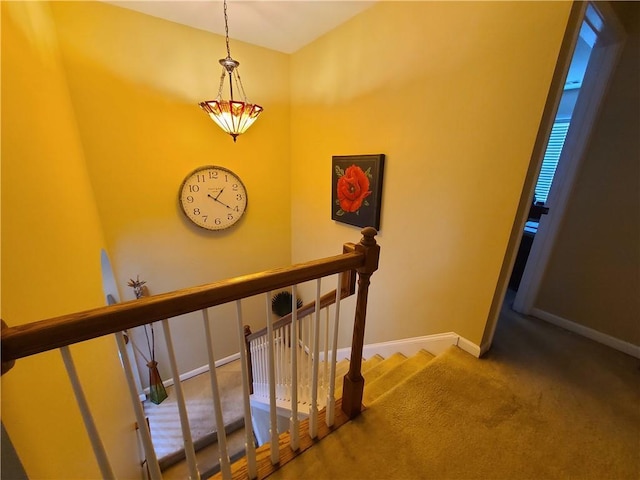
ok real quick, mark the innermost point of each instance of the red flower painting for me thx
(352, 188)
(356, 193)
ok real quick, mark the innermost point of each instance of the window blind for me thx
(550, 161)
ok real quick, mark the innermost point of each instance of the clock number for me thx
(196, 211)
(236, 208)
(194, 188)
(204, 218)
(217, 221)
(234, 187)
(239, 197)
(200, 178)
(229, 216)
(190, 199)
(213, 174)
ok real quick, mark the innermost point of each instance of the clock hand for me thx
(219, 193)
(216, 199)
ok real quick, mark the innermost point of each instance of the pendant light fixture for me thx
(233, 116)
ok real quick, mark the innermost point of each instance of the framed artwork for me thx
(356, 189)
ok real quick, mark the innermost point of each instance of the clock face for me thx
(213, 197)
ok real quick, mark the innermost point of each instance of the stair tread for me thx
(367, 365)
(395, 376)
(384, 366)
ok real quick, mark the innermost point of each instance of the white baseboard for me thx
(608, 340)
(470, 347)
(435, 344)
(199, 370)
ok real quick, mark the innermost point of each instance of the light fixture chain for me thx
(239, 85)
(222, 77)
(226, 29)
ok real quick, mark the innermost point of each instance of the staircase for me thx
(382, 376)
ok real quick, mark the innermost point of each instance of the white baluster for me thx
(249, 444)
(89, 424)
(315, 357)
(277, 342)
(145, 435)
(265, 368)
(293, 421)
(225, 463)
(263, 359)
(309, 353)
(287, 360)
(260, 370)
(257, 366)
(303, 361)
(189, 450)
(331, 396)
(307, 356)
(273, 430)
(325, 373)
(283, 363)
(255, 360)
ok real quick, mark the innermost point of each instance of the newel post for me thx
(353, 386)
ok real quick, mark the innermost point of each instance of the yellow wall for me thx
(135, 82)
(101, 107)
(452, 93)
(593, 276)
(51, 240)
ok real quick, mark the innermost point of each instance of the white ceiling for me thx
(282, 25)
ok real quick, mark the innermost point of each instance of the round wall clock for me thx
(213, 197)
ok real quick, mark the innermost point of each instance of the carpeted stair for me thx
(166, 431)
(382, 377)
(382, 374)
(391, 372)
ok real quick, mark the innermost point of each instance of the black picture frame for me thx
(356, 189)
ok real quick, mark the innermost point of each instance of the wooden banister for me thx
(24, 340)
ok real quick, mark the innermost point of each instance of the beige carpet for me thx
(164, 422)
(543, 404)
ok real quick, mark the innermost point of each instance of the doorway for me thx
(542, 199)
(594, 40)
(593, 61)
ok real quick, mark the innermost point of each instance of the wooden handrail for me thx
(29, 339)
